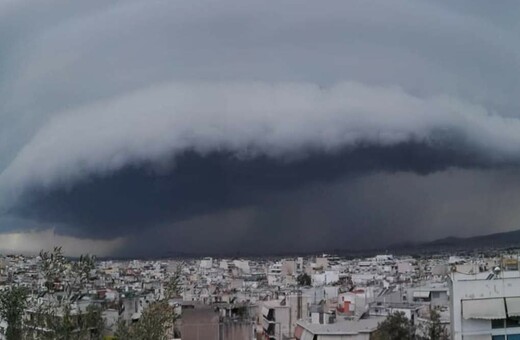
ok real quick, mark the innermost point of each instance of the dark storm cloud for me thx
(366, 211)
(142, 195)
(249, 120)
(120, 115)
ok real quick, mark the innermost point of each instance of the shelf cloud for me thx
(281, 121)
(124, 116)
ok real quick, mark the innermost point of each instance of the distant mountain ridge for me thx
(502, 239)
(495, 240)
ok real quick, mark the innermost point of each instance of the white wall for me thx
(281, 315)
(466, 287)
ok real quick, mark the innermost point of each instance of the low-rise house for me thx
(361, 329)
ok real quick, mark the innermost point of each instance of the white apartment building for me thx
(485, 305)
(279, 317)
(275, 319)
(274, 274)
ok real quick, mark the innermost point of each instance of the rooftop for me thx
(343, 327)
(485, 276)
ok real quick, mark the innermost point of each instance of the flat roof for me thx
(507, 274)
(274, 304)
(343, 327)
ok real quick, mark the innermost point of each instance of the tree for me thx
(70, 275)
(53, 266)
(304, 279)
(435, 329)
(157, 322)
(123, 330)
(173, 286)
(13, 302)
(395, 327)
(56, 318)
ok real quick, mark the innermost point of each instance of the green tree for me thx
(65, 279)
(157, 322)
(173, 286)
(395, 327)
(435, 329)
(123, 330)
(13, 302)
(53, 266)
(304, 279)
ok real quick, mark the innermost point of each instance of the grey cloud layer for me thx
(77, 54)
(90, 88)
(248, 119)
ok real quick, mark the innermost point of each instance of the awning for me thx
(513, 306)
(486, 309)
(421, 294)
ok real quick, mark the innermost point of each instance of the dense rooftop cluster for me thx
(318, 297)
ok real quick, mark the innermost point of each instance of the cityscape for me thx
(471, 295)
(259, 170)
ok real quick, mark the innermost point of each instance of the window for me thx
(436, 295)
(497, 324)
(512, 322)
(498, 337)
(505, 323)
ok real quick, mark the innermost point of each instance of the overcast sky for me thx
(151, 127)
